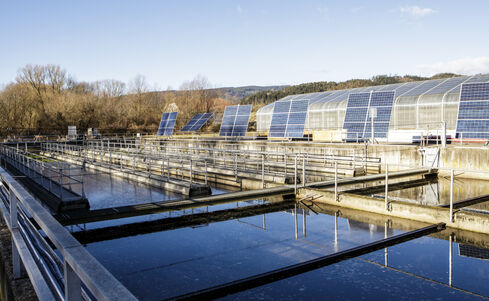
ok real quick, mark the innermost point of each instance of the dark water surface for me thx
(170, 263)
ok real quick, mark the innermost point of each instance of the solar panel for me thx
(356, 115)
(382, 102)
(447, 85)
(197, 122)
(167, 124)
(235, 120)
(473, 111)
(289, 119)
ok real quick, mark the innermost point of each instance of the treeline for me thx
(266, 97)
(45, 99)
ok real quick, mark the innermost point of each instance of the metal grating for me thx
(235, 120)
(167, 124)
(288, 119)
(197, 122)
(473, 112)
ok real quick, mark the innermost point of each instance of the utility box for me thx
(71, 133)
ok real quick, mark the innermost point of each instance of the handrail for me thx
(83, 274)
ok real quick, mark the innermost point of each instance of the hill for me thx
(268, 96)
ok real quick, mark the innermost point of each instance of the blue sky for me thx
(235, 43)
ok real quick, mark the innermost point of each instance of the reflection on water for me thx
(169, 263)
(438, 193)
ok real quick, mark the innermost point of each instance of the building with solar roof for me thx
(402, 111)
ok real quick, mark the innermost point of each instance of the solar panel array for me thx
(473, 111)
(167, 124)
(197, 122)
(382, 101)
(289, 119)
(235, 120)
(356, 115)
(357, 119)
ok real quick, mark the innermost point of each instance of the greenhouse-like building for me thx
(414, 109)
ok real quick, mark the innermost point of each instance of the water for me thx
(169, 263)
(188, 259)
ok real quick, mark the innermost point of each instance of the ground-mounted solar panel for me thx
(289, 119)
(167, 124)
(382, 102)
(356, 115)
(197, 122)
(473, 111)
(235, 120)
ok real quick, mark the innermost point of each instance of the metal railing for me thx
(54, 176)
(66, 271)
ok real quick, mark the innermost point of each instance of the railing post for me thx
(451, 195)
(386, 196)
(295, 174)
(72, 284)
(304, 170)
(16, 261)
(336, 180)
(205, 167)
(191, 172)
(263, 171)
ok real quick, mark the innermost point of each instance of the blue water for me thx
(170, 263)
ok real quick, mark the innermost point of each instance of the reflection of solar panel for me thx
(473, 111)
(235, 120)
(196, 122)
(288, 119)
(167, 124)
(471, 251)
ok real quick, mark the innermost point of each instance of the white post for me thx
(304, 170)
(336, 180)
(450, 256)
(386, 187)
(262, 171)
(295, 175)
(451, 195)
(443, 134)
(386, 226)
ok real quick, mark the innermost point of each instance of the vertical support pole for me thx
(443, 134)
(336, 231)
(386, 254)
(451, 195)
(16, 262)
(295, 175)
(168, 168)
(285, 166)
(191, 172)
(304, 170)
(386, 193)
(72, 284)
(205, 170)
(263, 171)
(295, 218)
(450, 258)
(336, 180)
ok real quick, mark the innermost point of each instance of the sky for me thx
(237, 43)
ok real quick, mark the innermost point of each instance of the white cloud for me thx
(239, 9)
(467, 65)
(416, 11)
